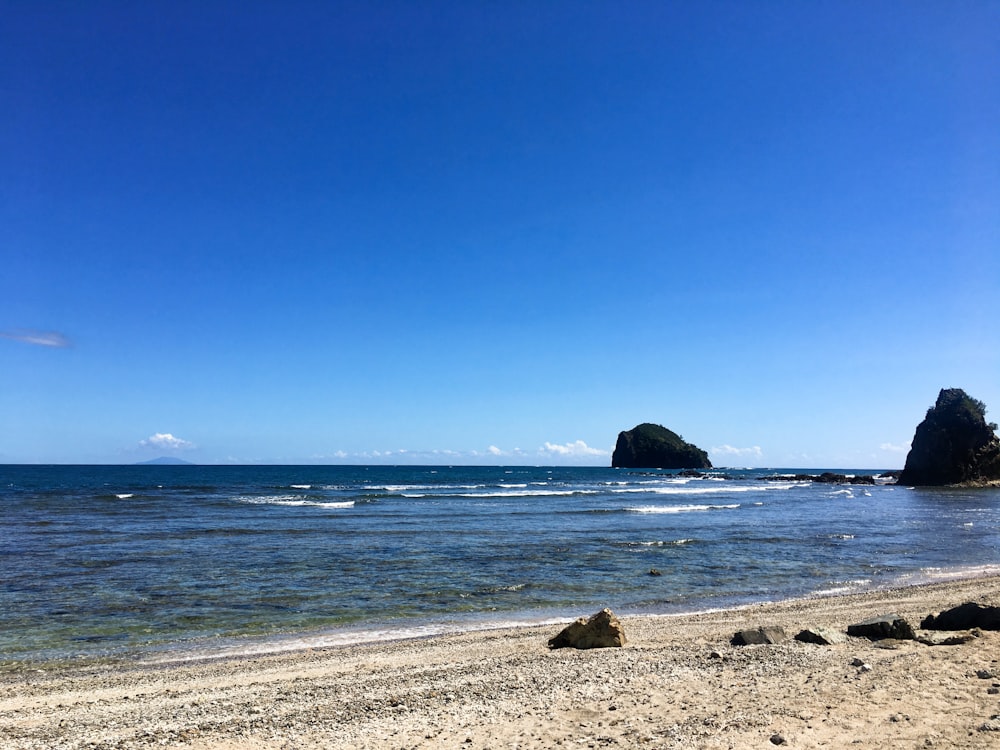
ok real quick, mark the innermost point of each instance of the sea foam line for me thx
(674, 543)
(719, 490)
(525, 493)
(678, 508)
(293, 501)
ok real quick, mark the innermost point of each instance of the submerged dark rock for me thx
(651, 446)
(827, 477)
(954, 444)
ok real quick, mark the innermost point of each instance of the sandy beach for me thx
(678, 683)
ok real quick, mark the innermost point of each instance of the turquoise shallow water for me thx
(128, 560)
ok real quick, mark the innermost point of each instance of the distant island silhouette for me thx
(165, 461)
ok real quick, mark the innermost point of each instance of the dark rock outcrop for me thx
(820, 636)
(650, 446)
(601, 630)
(759, 636)
(954, 444)
(827, 477)
(885, 626)
(964, 617)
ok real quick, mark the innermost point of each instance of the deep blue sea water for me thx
(153, 560)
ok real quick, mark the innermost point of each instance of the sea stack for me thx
(954, 444)
(651, 446)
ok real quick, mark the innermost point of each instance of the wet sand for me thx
(678, 683)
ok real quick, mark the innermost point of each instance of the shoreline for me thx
(250, 645)
(678, 683)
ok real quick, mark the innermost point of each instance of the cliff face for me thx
(650, 446)
(953, 444)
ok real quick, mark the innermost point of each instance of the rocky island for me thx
(651, 446)
(954, 444)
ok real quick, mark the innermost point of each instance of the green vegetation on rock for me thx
(954, 444)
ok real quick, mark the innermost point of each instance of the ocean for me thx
(176, 562)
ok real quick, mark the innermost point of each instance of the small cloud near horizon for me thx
(729, 450)
(576, 448)
(51, 339)
(166, 441)
(573, 450)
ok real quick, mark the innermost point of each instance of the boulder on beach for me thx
(820, 636)
(652, 446)
(600, 630)
(964, 617)
(759, 636)
(882, 627)
(954, 444)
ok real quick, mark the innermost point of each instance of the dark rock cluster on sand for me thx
(603, 630)
(969, 616)
(883, 626)
(954, 444)
(652, 446)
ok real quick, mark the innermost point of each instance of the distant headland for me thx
(953, 445)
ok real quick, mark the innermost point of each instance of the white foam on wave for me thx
(678, 508)
(674, 543)
(957, 574)
(483, 495)
(714, 490)
(430, 488)
(125, 495)
(301, 486)
(845, 587)
(295, 501)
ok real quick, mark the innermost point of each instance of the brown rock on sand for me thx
(601, 630)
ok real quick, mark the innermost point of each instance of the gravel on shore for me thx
(678, 683)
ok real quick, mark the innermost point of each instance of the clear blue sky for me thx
(494, 232)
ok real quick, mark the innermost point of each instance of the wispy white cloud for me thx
(574, 449)
(166, 441)
(729, 450)
(892, 448)
(398, 455)
(492, 454)
(52, 339)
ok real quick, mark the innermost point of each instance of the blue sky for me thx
(495, 232)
